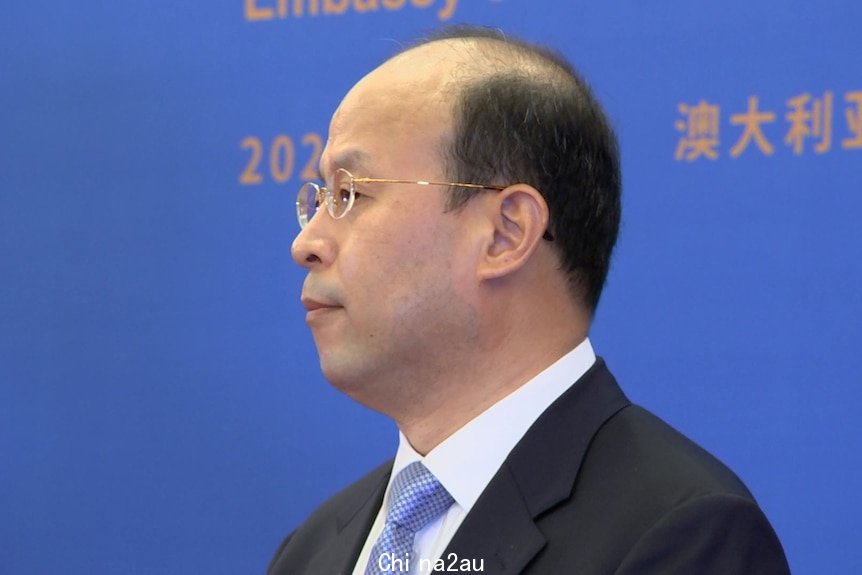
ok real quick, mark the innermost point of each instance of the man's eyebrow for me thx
(352, 159)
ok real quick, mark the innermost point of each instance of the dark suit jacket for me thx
(596, 486)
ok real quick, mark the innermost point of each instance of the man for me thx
(455, 259)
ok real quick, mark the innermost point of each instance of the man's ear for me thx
(519, 215)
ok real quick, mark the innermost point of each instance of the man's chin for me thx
(354, 382)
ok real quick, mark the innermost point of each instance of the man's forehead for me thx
(402, 102)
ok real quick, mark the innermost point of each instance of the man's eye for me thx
(342, 196)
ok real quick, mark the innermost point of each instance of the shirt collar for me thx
(466, 461)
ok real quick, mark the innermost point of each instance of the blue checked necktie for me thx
(417, 500)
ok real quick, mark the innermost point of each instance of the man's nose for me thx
(313, 245)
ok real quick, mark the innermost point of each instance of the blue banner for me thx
(161, 405)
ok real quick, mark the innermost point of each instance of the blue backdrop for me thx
(161, 407)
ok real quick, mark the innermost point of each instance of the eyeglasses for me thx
(338, 202)
(339, 197)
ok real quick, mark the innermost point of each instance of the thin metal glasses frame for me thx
(339, 207)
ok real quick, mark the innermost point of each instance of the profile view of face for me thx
(384, 289)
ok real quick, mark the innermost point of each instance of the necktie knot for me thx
(417, 500)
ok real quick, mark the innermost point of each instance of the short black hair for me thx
(524, 115)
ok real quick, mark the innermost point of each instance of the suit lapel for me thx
(499, 529)
(538, 474)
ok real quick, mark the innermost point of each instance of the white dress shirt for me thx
(467, 460)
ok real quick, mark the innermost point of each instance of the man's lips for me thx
(313, 305)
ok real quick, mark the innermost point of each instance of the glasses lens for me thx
(308, 202)
(342, 198)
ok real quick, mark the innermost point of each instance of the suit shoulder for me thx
(640, 479)
(351, 496)
(639, 448)
(300, 546)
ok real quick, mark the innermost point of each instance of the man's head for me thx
(418, 293)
